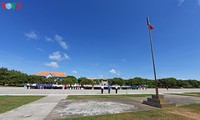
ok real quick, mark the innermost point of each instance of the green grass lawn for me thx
(10, 102)
(77, 97)
(187, 112)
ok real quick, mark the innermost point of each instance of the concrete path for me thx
(37, 110)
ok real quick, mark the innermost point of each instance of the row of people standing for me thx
(109, 87)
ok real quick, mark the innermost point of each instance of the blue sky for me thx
(102, 38)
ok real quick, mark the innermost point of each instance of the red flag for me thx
(149, 25)
(18, 6)
(3, 5)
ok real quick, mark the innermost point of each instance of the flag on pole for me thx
(149, 25)
(3, 5)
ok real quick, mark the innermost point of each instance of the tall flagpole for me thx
(152, 54)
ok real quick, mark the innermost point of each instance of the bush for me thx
(20, 85)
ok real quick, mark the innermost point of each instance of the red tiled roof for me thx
(44, 73)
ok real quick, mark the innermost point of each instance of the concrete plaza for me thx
(40, 109)
(24, 91)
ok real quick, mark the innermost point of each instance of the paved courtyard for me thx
(24, 91)
(54, 104)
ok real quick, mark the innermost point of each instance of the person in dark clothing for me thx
(102, 87)
(108, 89)
(27, 86)
(116, 88)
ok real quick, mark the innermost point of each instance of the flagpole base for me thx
(158, 101)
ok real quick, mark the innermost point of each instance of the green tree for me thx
(193, 83)
(3, 76)
(97, 81)
(167, 82)
(110, 81)
(12, 77)
(36, 79)
(138, 81)
(49, 80)
(84, 81)
(118, 81)
(127, 82)
(150, 83)
(69, 80)
(183, 83)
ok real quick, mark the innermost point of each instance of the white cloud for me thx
(66, 57)
(113, 71)
(61, 42)
(57, 56)
(123, 60)
(180, 2)
(52, 64)
(48, 39)
(74, 71)
(31, 35)
(40, 49)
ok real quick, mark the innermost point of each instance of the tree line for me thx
(17, 78)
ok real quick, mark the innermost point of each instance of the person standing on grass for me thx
(108, 89)
(102, 87)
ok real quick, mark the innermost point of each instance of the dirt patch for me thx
(186, 113)
(62, 109)
(74, 108)
(89, 108)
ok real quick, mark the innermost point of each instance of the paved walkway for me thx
(37, 110)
